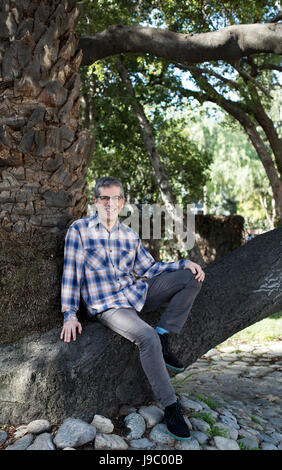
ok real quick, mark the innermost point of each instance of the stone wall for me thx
(218, 235)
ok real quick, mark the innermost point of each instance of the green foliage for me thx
(236, 182)
(208, 401)
(119, 147)
(208, 15)
(216, 431)
(178, 384)
(207, 417)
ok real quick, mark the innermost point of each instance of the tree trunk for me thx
(259, 113)
(43, 159)
(43, 377)
(42, 150)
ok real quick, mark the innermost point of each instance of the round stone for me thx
(38, 426)
(136, 423)
(160, 435)
(102, 424)
(223, 443)
(74, 433)
(110, 442)
(152, 415)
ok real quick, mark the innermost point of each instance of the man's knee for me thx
(187, 275)
(148, 337)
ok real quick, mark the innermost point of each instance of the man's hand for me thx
(196, 268)
(69, 330)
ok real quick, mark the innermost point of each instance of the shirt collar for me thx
(96, 222)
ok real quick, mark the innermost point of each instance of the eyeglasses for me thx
(107, 198)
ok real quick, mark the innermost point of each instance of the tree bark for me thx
(229, 43)
(43, 377)
(42, 150)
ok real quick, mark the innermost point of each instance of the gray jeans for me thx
(178, 288)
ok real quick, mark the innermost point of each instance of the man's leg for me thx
(127, 323)
(178, 288)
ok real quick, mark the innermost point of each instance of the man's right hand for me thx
(69, 330)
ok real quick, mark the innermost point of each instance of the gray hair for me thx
(106, 182)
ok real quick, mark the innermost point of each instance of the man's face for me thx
(109, 209)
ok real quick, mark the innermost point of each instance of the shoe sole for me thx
(174, 368)
(178, 437)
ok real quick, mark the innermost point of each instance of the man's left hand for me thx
(196, 269)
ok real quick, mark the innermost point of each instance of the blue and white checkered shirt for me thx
(100, 265)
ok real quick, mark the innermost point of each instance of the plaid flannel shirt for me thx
(99, 265)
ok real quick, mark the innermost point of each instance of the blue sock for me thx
(160, 330)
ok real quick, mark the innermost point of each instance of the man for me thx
(101, 256)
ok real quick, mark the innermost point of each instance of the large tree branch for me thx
(101, 371)
(229, 43)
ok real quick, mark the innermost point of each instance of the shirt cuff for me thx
(187, 262)
(69, 316)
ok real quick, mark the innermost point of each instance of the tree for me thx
(255, 73)
(237, 182)
(43, 163)
(119, 107)
(46, 377)
(130, 98)
(43, 158)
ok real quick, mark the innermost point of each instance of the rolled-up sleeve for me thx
(72, 273)
(146, 266)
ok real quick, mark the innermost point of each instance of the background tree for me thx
(177, 169)
(237, 182)
(243, 88)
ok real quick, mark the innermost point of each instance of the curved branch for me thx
(246, 76)
(270, 67)
(229, 43)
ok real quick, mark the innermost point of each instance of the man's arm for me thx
(71, 283)
(146, 266)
